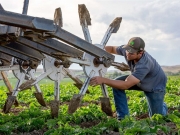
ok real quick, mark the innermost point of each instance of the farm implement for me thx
(26, 41)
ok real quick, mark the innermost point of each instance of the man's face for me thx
(132, 56)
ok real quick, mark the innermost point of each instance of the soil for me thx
(89, 124)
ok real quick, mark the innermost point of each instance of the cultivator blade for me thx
(84, 15)
(54, 104)
(105, 101)
(58, 17)
(106, 106)
(8, 85)
(26, 85)
(74, 103)
(8, 104)
(16, 103)
(78, 85)
(40, 99)
(113, 28)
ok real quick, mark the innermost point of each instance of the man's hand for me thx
(97, 80)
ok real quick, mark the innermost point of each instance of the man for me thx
(146, 75)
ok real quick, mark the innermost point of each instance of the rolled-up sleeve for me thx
(120, 50)
(141, 71)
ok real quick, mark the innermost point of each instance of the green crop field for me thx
(29, 118)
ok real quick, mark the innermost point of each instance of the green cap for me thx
(134, 45)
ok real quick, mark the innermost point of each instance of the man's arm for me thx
(111, 49)
(119, 84)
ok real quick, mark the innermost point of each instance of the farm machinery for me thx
(26, 41)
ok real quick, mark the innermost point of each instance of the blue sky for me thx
(155, 21)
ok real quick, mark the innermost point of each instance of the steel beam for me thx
(82, 44)
(5, 57)
(51, 46)
(25, 50)
(14, 54)
(45, 25)
(7, 29)
(54, 44)
(24, 21)
(36, 46)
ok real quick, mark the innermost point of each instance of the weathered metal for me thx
(8, 85)
(51, 46)
(24, 50)
(14, 54)
(47, 27)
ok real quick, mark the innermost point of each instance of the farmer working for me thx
(146, 75)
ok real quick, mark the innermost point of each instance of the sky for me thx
(155, 21)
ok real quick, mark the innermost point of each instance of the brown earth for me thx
(173, 69)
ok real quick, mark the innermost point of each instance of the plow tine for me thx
(8, 104)
(8, 85)
(113, 28)
(75, 101)
(40, 99)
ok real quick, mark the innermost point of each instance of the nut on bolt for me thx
(33, 64)
(66, 64)
(107, 62)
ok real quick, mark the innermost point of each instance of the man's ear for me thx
(140, 52)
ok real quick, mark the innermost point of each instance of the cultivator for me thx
(25, 41)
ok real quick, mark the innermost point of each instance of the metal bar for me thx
(13, 53)
(25, 50)
(42, 76)
(81, 62)
(1, 8)
(7, 68)
(6, 81)
(54, 44)
(36, 46)
(73, 76)
(25, 21)
(25, 7)
(36, 86)
(19, 82)
(82, 44)
(41, 24)
(5, 57)
(85, 20)
(57, 87)
(103, 86)
(113, 28)
(86, 33)
(51, 46)
(7, 29)
(34, 81)
(86, 83)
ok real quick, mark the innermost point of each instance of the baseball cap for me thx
(134, 45)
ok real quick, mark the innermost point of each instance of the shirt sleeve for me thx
(120, 50)
(141, 71)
